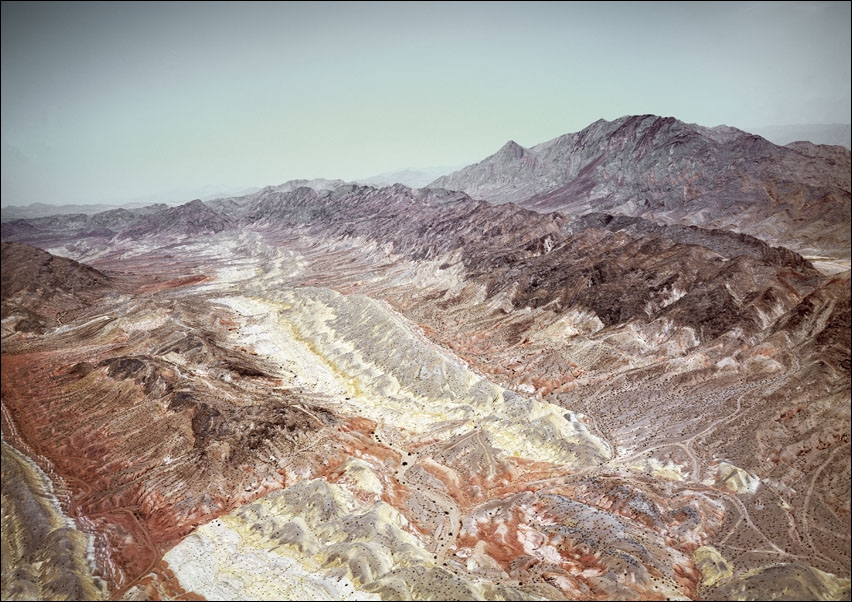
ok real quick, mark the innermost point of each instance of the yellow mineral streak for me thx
(329, 343)
(713, 566)
(312, 541)
(362, 475)
(735, 479)
(665, 470)
(783, 581)
(316, 541)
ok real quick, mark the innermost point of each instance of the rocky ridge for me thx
(675, 173)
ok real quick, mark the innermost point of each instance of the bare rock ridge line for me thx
(641, 166)
(324, 390)
(645, 166)
(351, 204)
(724, 242)
(677, 173)
(543, 258)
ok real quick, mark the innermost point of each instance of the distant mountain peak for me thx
(833, 134)
(670, 171)
(413, 178)
(511, 150)
(194, 217)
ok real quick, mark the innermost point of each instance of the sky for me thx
(118, 102)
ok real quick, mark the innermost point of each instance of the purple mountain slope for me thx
(676, 173)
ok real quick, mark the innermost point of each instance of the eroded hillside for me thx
(360, 393)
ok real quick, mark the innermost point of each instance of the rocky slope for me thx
(78, 225)
(39, 288)
(675, 173)
(190, 219)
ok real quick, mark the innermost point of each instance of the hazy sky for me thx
(110, 102)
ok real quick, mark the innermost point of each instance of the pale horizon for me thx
(112, 103)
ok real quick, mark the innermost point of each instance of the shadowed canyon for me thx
(612, 366)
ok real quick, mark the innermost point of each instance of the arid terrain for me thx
(461, 392)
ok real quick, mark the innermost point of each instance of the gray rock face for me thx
(191, 218)
(81, 225)
(671, 172)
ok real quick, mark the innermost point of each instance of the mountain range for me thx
(327, 390)
(676, 173)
